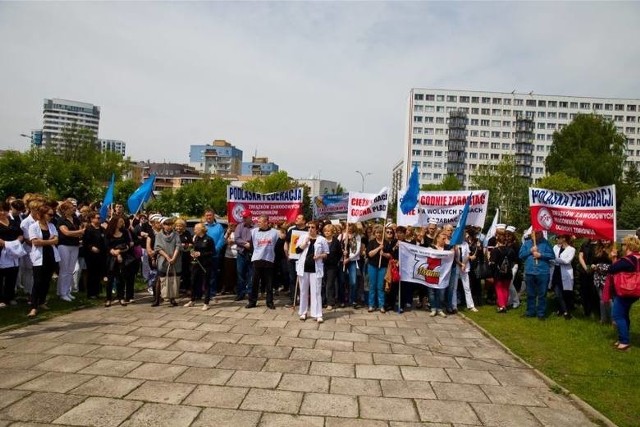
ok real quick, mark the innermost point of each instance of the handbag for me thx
(482, 270)
(627, 284)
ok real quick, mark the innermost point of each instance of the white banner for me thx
(446, 208)
(426, 266)
(365, 206)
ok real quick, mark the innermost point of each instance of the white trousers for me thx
(310, 283)
(514, 298)
(464, 278)
(68, 261)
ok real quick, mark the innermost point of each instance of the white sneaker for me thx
(205, 307)
(2, 305)
(320, 320)
(433, 313)
(442, 314)
(71, 296)
(189, 304)
(475, 310)
(66, 298)
(150, 290)
(303, 317)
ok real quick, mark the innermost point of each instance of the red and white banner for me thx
(426, 266)
(588, 213)
(281, 206)
(446, 208)
(365, 206)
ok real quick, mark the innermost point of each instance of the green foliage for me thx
(627, 216)
(507, 191)
(577, 354)
(560, 181)
(449, 183)
(123, 189)
(79, 170)
(590, 149)
(193, 199)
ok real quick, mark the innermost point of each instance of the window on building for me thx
(486, 100)
(417, 119)
(563, 104)
(542, 103)
(452, 98)
(418, 108)
(464, 99)
(440, 120)
(619, 107)
(495, 156)
(440, 109)
(497, 101)
(553, 104)
(562, 116)
(475, 99)
(496, 112)
(506, 112)
(484, 144)
(506, 146)
(416, 152)
(540, 148)
(485, 133)
(440, 98)
(430, 97)
(585, 106)
(531, 103)
(437, 176)
(495, 134)
(539, 170)
(484, 156)
(417, 141)
(428, 153)
(495, 145)
(437, 153)
(484, 122)
(495, 123)
(439, 143)
(506, 123)
(631, 141)
(427, 164)
(506, 135)
(418, 97)
(428, 141)
(618, 118)
(541, 126)
(506, 101)
(428, 119)
(473, 155)
(551, 125)
(517, 102)
(429, 109)
(486, 111)
(475, 111)
(437, 165)
(630, 130)
(552, 115)
(573, 105)
(417, 131)
(474, 122)
(631, 119)
(439, 131)
(631, 107)
(597, 106)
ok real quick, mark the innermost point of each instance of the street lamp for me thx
(363, 176)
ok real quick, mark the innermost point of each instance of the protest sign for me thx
(281, 206)
(446, 207)
(588, 213)
(365, 206)
(296, 235)
(333, 206)
(426, 266)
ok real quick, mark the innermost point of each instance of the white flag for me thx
(426, 266)
(492, 230)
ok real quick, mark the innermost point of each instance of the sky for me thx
(320, 88)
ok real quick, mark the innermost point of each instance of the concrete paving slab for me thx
(278, 420)
(41, 407)
(155, 355)
(288, 366)
(387, 408)
(10, 378)
(99, 412)
(205, 376)
(110, 367)
(446, 411)
(272, 401)
(198, 360)
(255, 379)
(305, 383)
(161, 392)
(56, 382)
(156, 371)
(355, 387)
(7, 397)
(407, 389)
(217, 417)
(159, 415)
(334, 405)
(102, 386)
(216, 396)
(112, 352)
(331, 369)
(504, 415)
(459, 392)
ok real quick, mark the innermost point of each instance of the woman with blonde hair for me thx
(378, 252)
(167, 247)
(621, 304)
(351, 247)
(44, 256)
(70, 230)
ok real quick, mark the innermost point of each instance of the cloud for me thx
(317, 87)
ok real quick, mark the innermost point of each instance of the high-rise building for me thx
(499, 124)
(114, 145)
(59, 114)
(218, 158)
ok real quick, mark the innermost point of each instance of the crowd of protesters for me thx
(318, 265)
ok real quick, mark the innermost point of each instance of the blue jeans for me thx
(213, 281)
(450, 290)
(376, 285)
(245, 273)
(436, 297)
(536, 294)
(620, 314)
(351, 274)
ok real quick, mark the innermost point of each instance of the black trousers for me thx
(8, 277)
(96, 265)
(200, 279)
(262, 274)
(41, 281)
(331, 285)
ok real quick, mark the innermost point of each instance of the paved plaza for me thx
(230, 366)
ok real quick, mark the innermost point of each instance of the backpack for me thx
(504, 267)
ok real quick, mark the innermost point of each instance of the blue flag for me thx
(458, 234)
(410, 198)
(108, 198)
(141, 195)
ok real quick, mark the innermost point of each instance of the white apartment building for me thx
(490, 131)
(114, 145)
(59, 114)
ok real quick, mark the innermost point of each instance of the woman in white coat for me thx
(310, 269)
(44, 256)
(562, 274)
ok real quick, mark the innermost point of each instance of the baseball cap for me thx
(246, 213)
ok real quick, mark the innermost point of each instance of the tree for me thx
(449, 183)
(561, 182)
(507, 191)
(627, 217)
(590, 149)
(193, 199)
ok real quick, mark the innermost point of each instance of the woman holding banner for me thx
(437, 295)
(351, 241)
(378, 253)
